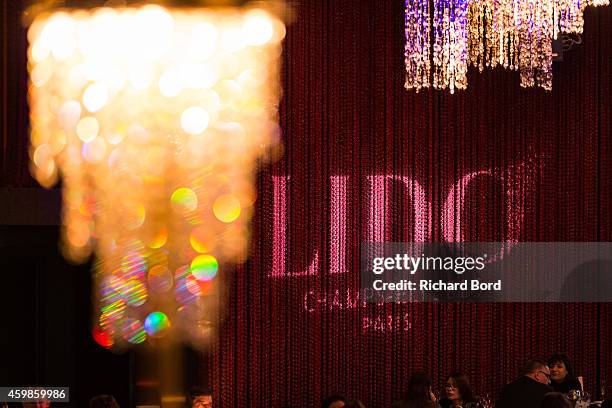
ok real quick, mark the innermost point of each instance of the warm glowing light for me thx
(87, 129)
(95, 97)
(202, 240)
(227, 208)
(41, 74)
(194, 120)
(171, 83)
(159, 240)
(156, 119)
(233, 40)
(257, 28)
(94, 151)
(59, 36)
(204, 40)
(69, 114)
(184, 200)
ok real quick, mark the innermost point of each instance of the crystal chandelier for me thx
(155, 119)
(443, 37)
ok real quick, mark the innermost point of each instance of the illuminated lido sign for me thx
(513, 179)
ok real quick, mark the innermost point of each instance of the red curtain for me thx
(346, 118)
(293, 330)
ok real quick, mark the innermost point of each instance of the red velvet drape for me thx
(294, 338)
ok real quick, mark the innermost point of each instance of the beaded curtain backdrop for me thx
(294, 330)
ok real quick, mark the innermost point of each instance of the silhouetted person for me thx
(419, 394)
(529, 390)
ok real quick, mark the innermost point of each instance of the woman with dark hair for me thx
(555, 400)
(458, 393)
(561, 374)
(419, 393)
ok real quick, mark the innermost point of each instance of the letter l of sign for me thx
(337, 229)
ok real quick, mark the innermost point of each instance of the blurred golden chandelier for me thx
(443, 37)
(155, 119)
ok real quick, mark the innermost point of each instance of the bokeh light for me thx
(184, 200)
(87, 129)
(95, 97)
(157, 324)
(204, 267)
(159, 239)
(160, 279)
(257, 28)
(112, 312)
(204, 40)
(102, 337)
(202, 239)
(192, 285)
(134, 265)
(227, 208)
(194, 120)
(156, 119)
(133, 331)
(134, 292)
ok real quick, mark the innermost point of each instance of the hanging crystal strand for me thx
(455, 46)
(500, 55)
(555, 17)
(544, 35)
(564, 10)
(577, 23)
(516, 34)
(421, 50)
(501, 29)
(507, 29)
(410, 58)
(567, 23)
(452, 46)
(511, 52)
(475, 42)
(437, 44)
(460, 50)
(416, 51)
(525, 25)
(444, 43)
(426, 43)
(491, 39)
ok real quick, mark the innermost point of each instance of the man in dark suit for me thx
(529, 390)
